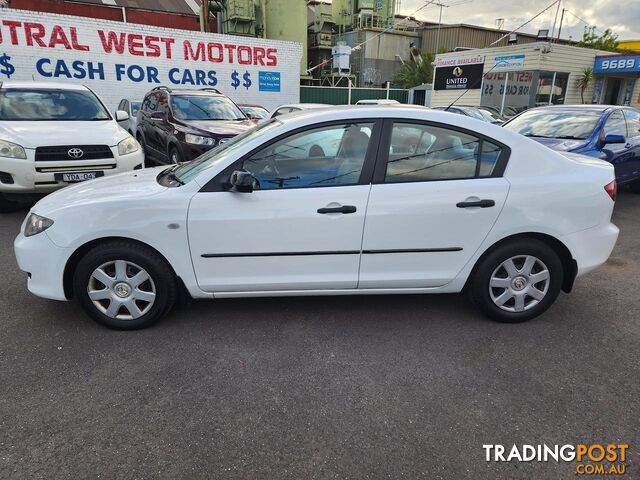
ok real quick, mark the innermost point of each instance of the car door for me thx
(301, 228)
(619, 154)
(124, 106)
(633, 141)
(162, 128)
(437, 192)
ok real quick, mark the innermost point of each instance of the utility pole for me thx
(560, 27)
(439, 23)
(553, 32)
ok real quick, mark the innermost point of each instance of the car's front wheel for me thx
(517, 281)
(124, 285)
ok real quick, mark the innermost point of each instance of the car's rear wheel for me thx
(124, 285)
(7, 206)
(517, 281)
(174, 155)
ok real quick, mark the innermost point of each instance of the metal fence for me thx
(340, 95)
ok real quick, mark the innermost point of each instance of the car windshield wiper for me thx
(569, 137)
(171, 175)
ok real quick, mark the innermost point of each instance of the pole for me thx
(553, 86)
(553, 32)
(438, 34)
(264, 18)
(349, 99)
(504, 94)
(388, 83)
(560, 27)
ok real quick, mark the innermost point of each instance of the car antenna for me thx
(471, 88)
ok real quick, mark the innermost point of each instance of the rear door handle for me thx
(478, 203)
(342, 209)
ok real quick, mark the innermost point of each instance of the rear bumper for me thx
(592, 247)
(44, 263)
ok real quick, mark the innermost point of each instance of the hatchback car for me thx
(409, 200)
(54, 134)
(131, 107)
(175, 125)
(611, 133)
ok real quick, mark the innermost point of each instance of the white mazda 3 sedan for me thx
(353, 200)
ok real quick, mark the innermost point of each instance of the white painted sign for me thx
(122, 60)
(506, 63)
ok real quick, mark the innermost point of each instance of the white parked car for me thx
(132, 107)
(54, 134)
(296, 107)
(382, 101)
(405, 202)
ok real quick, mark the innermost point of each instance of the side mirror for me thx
(158, 117)
(613, 138)
(121, 116)
(243, 181)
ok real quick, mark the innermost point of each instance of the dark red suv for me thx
(175, 125)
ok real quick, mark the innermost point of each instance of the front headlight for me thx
(36, 224)
(199, 140)
(128, 145)
(11, 150)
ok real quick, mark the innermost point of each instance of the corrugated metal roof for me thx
(187, 7)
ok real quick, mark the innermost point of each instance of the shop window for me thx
(548, 89)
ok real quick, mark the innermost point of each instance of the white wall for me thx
(561, 58)
(30, 39)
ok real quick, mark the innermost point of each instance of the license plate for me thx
(78, 176)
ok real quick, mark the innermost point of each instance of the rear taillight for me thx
(612, 190)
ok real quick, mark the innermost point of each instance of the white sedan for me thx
(353, 200)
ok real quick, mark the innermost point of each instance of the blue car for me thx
(611, 133)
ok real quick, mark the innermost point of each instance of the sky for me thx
(622, 16)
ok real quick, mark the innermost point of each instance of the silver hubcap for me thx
(519, 283)
(121, 290)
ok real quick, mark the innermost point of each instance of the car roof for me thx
(43, 85)
(585, 108)
(251, 105)
(305, 106)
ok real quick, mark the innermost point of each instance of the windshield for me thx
(201, 107)
(255, 111)
(50, 104)
(189, 170)
(555, 123)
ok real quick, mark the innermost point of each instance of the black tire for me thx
(162, 280)
(175, 156)
(481, 293)
(7, 206)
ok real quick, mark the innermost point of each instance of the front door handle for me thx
(341, 209)
(478, 203)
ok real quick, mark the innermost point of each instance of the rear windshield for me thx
(565, 124)
(50, 104)
(201, 107)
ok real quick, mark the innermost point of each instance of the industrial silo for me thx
(287, 20)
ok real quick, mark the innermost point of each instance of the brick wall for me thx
(51, 47)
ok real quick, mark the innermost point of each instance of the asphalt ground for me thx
(314, 388)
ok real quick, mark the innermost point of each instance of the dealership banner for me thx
(122, 60)
(462, 73)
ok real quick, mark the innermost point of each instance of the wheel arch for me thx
(569, 265)
(82, 250)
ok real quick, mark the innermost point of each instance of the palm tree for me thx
(584, 80)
